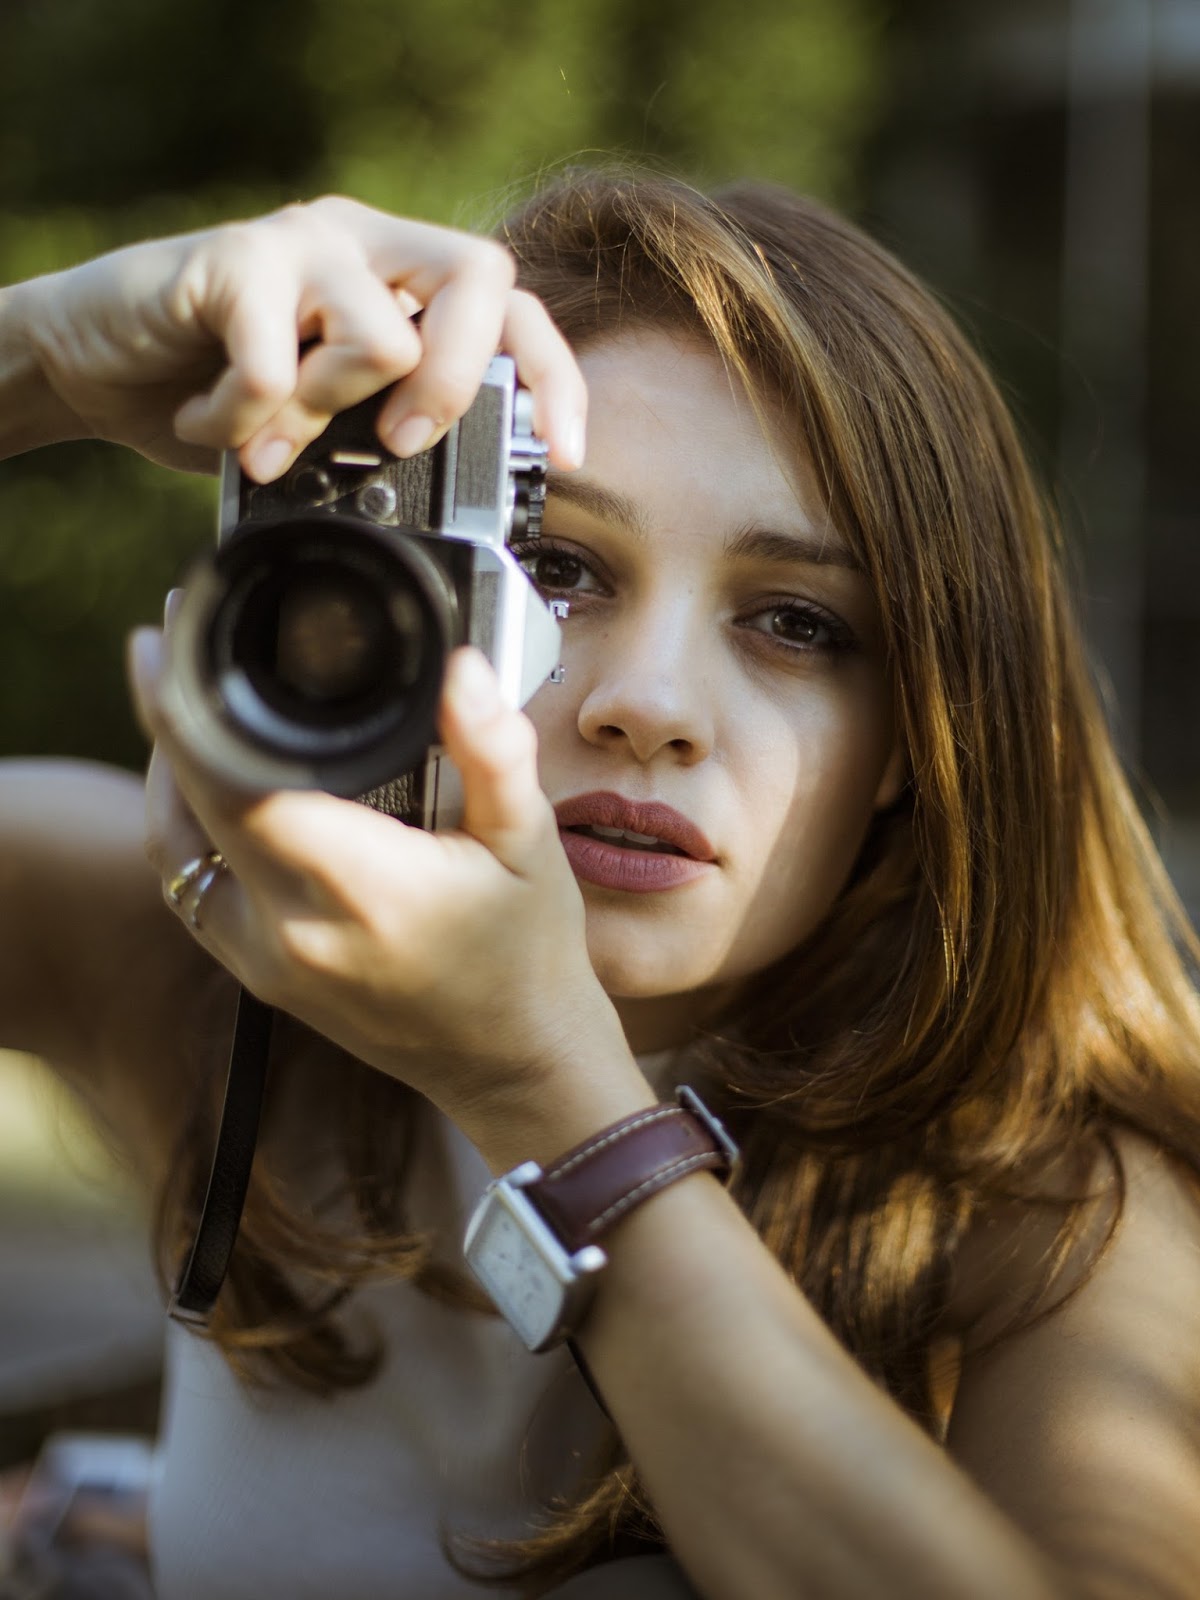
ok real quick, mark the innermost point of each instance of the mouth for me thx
(637, 846)
(634, 824)
(623, 839)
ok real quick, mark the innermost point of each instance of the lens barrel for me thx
(310, 652)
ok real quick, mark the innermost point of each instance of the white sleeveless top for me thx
(463, 1431)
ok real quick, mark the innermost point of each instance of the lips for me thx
(635, 865)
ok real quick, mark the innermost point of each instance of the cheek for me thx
(553, 716)
(812, 803)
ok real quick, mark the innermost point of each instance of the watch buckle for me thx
(691, 1101)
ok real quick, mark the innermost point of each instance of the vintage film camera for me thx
(309, 651)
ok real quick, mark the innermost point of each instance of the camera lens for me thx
(330, 640)
(322, 648)
(322, 643)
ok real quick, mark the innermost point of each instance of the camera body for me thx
(309, 650)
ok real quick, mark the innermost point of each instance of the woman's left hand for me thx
(456, 962)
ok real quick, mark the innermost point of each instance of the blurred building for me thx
(1038, 163)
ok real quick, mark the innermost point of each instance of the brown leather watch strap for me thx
(587, 1191)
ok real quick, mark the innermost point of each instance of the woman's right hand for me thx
(186, 346)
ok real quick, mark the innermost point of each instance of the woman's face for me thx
(722, 660)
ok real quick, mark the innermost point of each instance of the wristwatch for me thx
(532, 1241)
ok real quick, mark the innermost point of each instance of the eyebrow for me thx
(606, 504)
(751, 541)
(766, 544)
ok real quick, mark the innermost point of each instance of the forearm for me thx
(776, 1467)
(31, 413)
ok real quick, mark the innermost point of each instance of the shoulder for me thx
(1117, 1211)
(1083, 1421)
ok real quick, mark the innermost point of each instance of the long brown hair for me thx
(1003, 983)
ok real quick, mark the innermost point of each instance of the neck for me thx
(666, 1022)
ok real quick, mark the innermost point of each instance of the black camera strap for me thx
(237, 1137)
(245, 1087)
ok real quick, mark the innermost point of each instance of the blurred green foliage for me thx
(136, 117)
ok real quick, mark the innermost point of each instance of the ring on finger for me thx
(193, 881)
(202, 885)
(190, 874)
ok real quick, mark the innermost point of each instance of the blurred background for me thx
(1035, 160)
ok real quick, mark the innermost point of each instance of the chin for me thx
(648, 970)
(620, 984)
(623, 979)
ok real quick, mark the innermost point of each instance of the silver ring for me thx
(203, 884)
(194, 879)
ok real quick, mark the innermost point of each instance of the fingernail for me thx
(575, 443)
(171, 606)
(413, 435)
(143, 655)
(268, 460)
(476, 689)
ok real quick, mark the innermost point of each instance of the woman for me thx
(943, 1336)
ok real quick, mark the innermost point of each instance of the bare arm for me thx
(182, 347)
(779, 1470)
(31, 414)
(96, 976)
(1085, 1430)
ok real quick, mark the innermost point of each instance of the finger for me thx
(366, 342)
(173, 834)
(283, 847)
(495, 749)
(143, 651)
(193, 811)
(212, 904)
(171, 604)
(548, 369)
(545, 363)
(461, 282)
(362, 349)
(175, 839)
(460, 333)
(254, 312)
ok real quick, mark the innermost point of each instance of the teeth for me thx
(623, 836)
(623, 833)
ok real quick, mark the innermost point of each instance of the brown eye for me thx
(797, 627)
(800, 627)
(554, 570)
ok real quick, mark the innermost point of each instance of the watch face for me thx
(514, 1271)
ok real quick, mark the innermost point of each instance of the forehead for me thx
(664, 376)
(672, 427)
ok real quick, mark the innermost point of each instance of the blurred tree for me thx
(135, 117)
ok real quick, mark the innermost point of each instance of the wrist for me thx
(558, 1100)
(31, 412)
(535, 1240)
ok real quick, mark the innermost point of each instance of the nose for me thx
(647, 690)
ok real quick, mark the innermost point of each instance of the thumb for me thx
(494, 748)
(143, 663)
